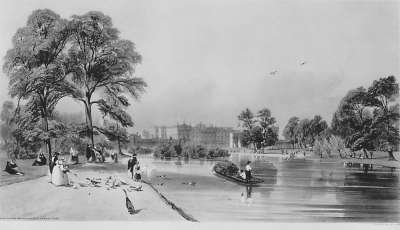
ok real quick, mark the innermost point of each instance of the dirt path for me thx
(39, 199)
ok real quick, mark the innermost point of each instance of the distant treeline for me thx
(366, 120)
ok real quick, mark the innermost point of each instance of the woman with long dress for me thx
(60, 176)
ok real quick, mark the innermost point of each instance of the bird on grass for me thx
(129, 204)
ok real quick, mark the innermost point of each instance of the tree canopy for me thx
(100, 62)
(368, 119)
(35, 65)
(259, 130)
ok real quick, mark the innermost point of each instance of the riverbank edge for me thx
(171, 204)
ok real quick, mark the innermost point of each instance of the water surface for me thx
(302, 190)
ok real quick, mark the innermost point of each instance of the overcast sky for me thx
(208, 60)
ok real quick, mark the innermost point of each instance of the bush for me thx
(189, 151)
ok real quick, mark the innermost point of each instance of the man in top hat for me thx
(131, 163)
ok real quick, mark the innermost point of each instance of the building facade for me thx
(206, 135)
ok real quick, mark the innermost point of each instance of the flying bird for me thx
(303, 63)
(129, 204)
(273, 72)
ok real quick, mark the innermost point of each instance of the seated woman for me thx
(12, 168)
(74, 159)
(242, 174)
(40, 160)
(60, 176)
(99, 155)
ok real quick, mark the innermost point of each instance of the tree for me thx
(115, 133)
(247, 120)
(269, 131)
(6, 117)
(368, 119)
(101, 63)
(382, 95)
(289, 132)
(317, 127)
(258, 131)
(352, 121)
(35, 66)
(302, 132)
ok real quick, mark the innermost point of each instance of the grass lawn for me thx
(31, 172)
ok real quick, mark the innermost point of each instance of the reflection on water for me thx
(294, 190)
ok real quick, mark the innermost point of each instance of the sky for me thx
(205, 61)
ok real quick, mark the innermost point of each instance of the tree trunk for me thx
(118, 140)
(119, 146)
(365, 153)
(47, 142)
(391, 156)
(89, 120)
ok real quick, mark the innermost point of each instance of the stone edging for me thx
(170, 203)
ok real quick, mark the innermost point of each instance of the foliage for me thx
(332, 146)
(368, 119)
(305, 132)
(260, 130)
(189, 151)
(35, 66)
(7, 125)
(140, 150)
(99, 61)
(289, 132)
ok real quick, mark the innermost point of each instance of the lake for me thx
(300, 190)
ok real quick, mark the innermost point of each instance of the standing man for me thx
(88, 152)
(131, 163)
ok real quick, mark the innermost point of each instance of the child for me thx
(137, 174)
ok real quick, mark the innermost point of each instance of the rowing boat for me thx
(219, 171)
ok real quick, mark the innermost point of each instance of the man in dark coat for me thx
(88, 152)
(131, 163)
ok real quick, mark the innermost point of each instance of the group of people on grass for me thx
(134, 168)
(94, 154)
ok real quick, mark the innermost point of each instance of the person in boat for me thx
(40, 160)
(59, 176)
(248, 171)
(53, 162)
(131, 164)
(12, 168)
(242, 174)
